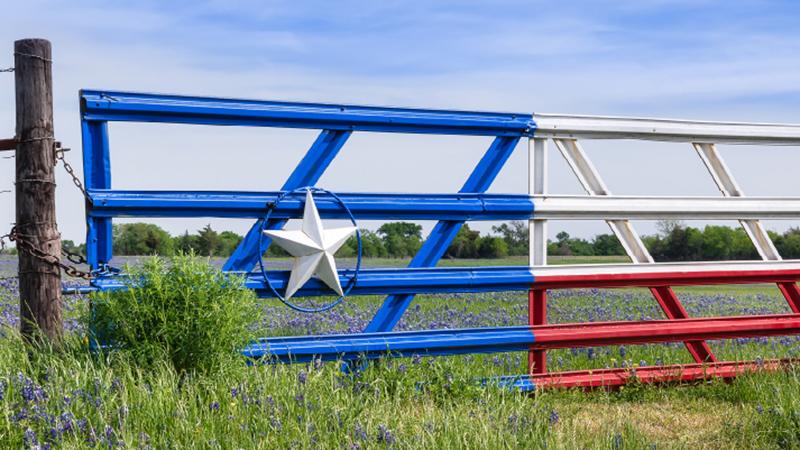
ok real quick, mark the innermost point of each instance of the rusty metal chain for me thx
(33, 250)
(74, 258)
(68, 167)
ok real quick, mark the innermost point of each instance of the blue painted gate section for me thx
(337, 123)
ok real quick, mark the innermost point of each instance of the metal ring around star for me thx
(261, 250)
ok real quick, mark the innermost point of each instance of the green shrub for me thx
(183, 311)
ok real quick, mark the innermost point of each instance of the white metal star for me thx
(313, 248)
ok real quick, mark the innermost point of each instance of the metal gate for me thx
(452, 210)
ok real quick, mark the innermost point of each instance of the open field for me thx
(75, 400)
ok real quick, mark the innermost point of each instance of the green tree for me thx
(208, 241)
(515, 235)
(401, 239)
(465, 245)
(492, 247)
(185, 243)
(607, 245)
(788, 244)
(228, 241)
(141, 239)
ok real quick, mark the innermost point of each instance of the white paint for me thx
(313, 248)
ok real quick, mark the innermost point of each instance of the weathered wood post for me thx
(39, 281)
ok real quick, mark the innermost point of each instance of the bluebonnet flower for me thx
(359, 432)
(385, 435)
(214, 406)
(302, 377)
(30, 438)
(553, 417)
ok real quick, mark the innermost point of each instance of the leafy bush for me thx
(183, 311)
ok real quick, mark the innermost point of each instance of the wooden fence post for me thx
(39, 281)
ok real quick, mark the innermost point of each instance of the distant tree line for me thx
(674, 242)
(678, 242)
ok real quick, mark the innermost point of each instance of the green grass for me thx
(386, 407)
(409, 403)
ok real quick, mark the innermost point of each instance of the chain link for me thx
(75, 180)
(7, 69)
(33, 250)
(74, 258)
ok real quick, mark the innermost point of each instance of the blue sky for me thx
(734, 60)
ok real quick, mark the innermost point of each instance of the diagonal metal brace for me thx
(307, 173)
(726, 183)
(444, 232)
(630, 240)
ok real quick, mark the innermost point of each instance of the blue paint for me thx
(444, 232)
(97, 175)
(336, 123)
(435, 280)
(365, 206)
(137, 107)
(350, 347)
(307, 173)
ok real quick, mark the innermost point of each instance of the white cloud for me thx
(608, 59)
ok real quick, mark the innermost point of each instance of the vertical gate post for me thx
(537, 241)
(39, 281)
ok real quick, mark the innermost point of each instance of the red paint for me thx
(651, 331)
(537, 315)
(673, 309)
(655, 279)
(655, 374)
(791, 292)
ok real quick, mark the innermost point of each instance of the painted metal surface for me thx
(96, 175)
(610, 378)
(350, 347)
(444, 232)
(138, 107)
(471, 203)
(594, 185)
(578, 207)
(388, 281)
(308, 171)
(729, 188)
(365, 206)
(596, 127)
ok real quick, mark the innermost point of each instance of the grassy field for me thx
(73, 399)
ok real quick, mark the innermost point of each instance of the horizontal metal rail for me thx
(389, 281)
(665, 274)
(138, 107)
(113, 203)
(392, 206)
(521, 278)
(612, 377)
(598, 127)
(508, 339)
(376, 345)
(644, 208)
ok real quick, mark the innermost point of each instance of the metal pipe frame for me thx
(438, 280)
(348, 347)
(562, 126)
(615, 377)
(463, 207)
(115, 106)
(337, 122)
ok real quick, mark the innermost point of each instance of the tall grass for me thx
(71, 399)
(182, 310)
(74, 398)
